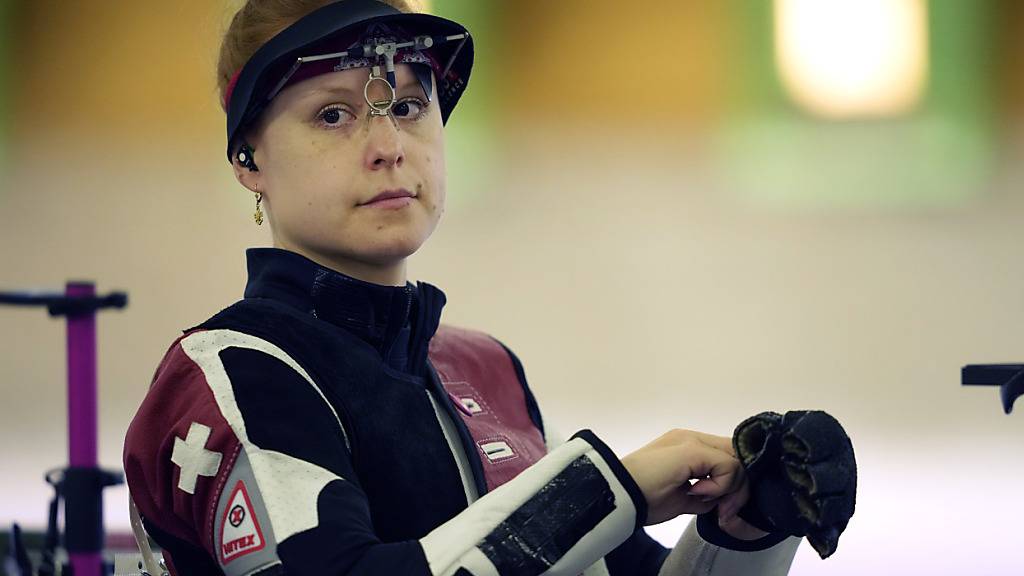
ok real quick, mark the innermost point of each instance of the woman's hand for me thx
(664, 469)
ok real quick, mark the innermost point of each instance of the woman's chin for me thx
(390, 252)
(399, 241)
(373, 247)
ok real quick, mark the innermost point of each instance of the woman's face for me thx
(323, 161)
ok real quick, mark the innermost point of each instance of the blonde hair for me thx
(260, 20)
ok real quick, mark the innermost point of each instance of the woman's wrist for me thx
(741, 529)
(714, 532)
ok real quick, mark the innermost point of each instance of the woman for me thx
(326, 423)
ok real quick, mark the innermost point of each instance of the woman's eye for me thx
(334, 116)
(411, 109)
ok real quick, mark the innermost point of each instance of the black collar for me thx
(398, 321)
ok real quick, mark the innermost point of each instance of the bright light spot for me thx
(852, 58)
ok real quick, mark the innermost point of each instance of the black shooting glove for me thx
(803, 475)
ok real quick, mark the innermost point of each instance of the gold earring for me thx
(258, 216)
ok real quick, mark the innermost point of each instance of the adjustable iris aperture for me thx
(379, 107)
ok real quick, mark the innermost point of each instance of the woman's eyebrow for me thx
(409, 81)
(334, 90)
(345, 90)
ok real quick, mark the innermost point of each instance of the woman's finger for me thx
(717, 473)
(718, 442)
(714, 487)
(690, 504)
(704, 489)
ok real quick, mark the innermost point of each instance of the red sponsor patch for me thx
(240, 531)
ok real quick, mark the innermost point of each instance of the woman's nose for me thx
(384, 144)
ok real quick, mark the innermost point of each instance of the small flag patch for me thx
(470, 404)
(497, 450)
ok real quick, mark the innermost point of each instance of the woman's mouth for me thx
(391, 199)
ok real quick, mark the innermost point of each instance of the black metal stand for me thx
(1009, 378)
(81, 484)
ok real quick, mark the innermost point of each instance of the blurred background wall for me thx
(677, 213)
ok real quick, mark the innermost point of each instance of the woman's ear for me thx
(246, 170)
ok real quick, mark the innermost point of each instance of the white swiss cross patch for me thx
(193, 458)
(240, 532)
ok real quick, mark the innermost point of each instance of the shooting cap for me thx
(350, 33)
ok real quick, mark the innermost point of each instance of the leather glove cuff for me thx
(803, 475)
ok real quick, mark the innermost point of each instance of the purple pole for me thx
(82, 429)
(82, 381)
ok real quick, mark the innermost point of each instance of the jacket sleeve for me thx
(695, 555)
(704, 549)
(242, 483)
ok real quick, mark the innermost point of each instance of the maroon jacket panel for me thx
(178, 401)
(481, 380)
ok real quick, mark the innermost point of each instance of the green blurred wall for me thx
(469, 134)
(941, 154)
